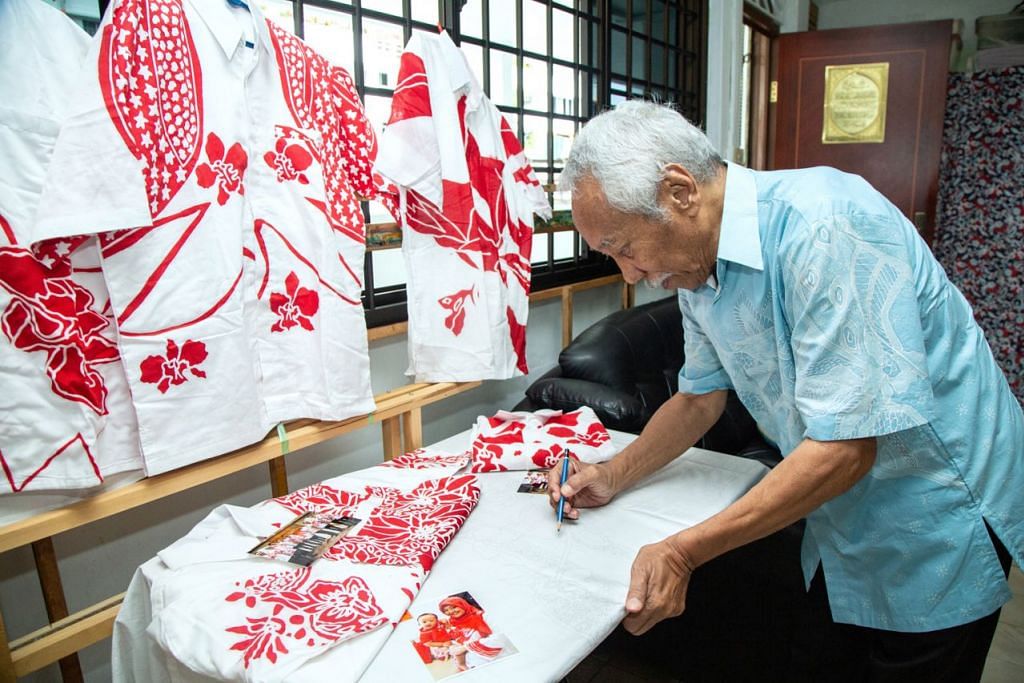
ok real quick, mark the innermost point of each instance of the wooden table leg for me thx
(566, 316)
(278, 477)
(53, 597)
(391, 433)
(413, 423)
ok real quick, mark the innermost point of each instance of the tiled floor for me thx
(1005, 663)
(624, 659)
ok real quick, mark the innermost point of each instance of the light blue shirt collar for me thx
(739, 239)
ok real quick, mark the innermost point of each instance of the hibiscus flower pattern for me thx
(50, 313)
(289, 159)
(455, 304)
(174, 368)
(225, 170)
(506, 441)
(296, 307)
(524, 441)
(295, 612)
(411, 528)
(423, 459)
(321, 498)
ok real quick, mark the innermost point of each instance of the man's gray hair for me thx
(627, 148)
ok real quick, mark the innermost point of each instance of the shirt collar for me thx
(739, 239)
(225, 28)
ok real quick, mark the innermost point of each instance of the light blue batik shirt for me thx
(832, 320)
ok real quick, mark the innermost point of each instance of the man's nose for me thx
(630, 273)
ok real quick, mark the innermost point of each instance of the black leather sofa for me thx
(744, 608)
(625, 366)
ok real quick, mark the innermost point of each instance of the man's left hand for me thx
(657, 585)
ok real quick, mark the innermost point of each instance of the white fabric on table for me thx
(509, 557)
(223, 613)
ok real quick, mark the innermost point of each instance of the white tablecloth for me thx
(556, 596)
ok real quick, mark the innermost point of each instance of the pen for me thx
(561, 500)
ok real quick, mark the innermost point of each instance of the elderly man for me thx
(811, 296)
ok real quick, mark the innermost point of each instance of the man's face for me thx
(672, 254)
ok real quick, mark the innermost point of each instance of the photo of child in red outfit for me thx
(457, 638)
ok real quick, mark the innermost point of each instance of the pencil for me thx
(561, 500)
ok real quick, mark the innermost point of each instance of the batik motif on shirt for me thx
(231, 236)
(233, 616)
(523, 440)
(67, 416)
(460, 185)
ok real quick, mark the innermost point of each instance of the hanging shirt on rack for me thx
(220, 158)
(67, 420)
(465, 194)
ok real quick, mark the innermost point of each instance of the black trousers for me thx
(827, 652)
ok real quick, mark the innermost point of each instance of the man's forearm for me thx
(676, 426)
(814, 473)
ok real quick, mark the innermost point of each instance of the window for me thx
(548, 65)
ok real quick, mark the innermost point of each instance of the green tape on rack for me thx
(282, 436)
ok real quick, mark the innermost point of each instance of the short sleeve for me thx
(856, 335)
(702, 371)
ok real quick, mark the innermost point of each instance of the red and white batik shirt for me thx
(66, 419)
(220, 158)
(229, 615)
(465, 196)
(525, 440)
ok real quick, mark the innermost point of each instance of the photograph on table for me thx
(455, 637)
(535, 481)
(306, 538)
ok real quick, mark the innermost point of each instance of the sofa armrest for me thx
(616, 409)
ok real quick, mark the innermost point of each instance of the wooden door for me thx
(880, 115)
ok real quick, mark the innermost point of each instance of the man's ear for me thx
(679, 189)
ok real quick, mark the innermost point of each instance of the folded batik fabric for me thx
(229, 615)
(523, 440)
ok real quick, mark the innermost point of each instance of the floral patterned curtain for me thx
(980, 237)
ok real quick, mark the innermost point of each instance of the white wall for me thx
(99, 560)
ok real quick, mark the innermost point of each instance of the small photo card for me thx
(535, 481)
(455, 637)
(303, 540)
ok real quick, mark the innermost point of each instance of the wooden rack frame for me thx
(399, 413)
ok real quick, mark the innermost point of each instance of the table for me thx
(556, 596)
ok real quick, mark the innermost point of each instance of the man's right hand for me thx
(587, 486)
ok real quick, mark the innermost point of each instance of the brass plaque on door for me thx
(855, 97)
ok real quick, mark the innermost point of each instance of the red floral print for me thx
(289, 161)
(412, 528)
(303, 613)
(295, 307)
(55, 315)
(551, 457)
(455, 304)
(172, 369)
(226, 170)
(319, 498)
(263, 638)
(422, 459)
